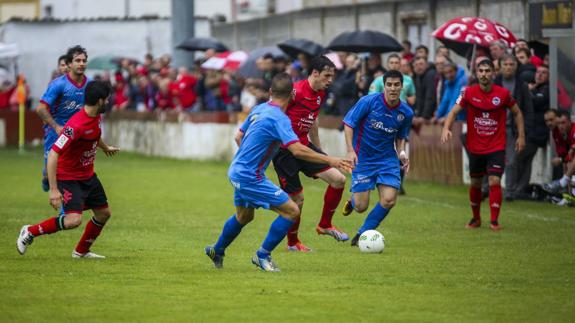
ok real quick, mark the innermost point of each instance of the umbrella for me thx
(249, 67)
(365, 41)
(202, 43)
(296, 46)
(228, 61)
(107, 62)
(462, 34)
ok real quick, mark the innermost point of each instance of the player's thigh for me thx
(289, 209)
(72, 197)
(95, 195)
(477, 165)
(287, 168)
(495, 163)
(333, 177)
(310, 169)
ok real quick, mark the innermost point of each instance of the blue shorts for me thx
(264, 194)
(362, 181)
(50, 137)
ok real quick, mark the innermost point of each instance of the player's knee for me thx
(338, 181)
(292, 212)
(72, 221)
(387, 203)
(103, 216)
(298, 199)
(245, 217)
(361, 207)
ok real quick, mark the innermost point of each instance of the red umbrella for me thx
(462, 34)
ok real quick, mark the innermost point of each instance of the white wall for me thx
(41, 43)
(74, 9)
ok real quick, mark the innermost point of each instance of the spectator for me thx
(164, 98)
(439, 64)
(533, 59)
(408, 90)
(454, 83)
(425, 102)
(214, 91)
(442, 51)
(184, 89)
(406, 68)
(539, 134)
(368, 74)
(526, 69)
(497, 49)
(422, 50)
(121, 94)
(344, 88)
(406, 52)
(516, 180)
(559, 139)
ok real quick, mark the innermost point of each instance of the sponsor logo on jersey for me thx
(318, 100)
(381, 126)
(62, 140)
(496, 100)
(69, 131)
(278, 192)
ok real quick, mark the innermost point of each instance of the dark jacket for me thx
(526, 72)
(425, 95)
(540, 133)
(524, 100)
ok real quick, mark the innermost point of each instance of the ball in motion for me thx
(371, 241)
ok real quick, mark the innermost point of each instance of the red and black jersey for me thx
(77, 145)
(561, 143)
(304, 108)
(486, 117)
(570, 143)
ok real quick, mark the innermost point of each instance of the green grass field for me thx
(165, 211)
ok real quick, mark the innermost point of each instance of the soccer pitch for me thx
(165, 211)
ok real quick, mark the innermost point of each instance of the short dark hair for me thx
(562, 113)
(424, 48)
(554, 111)
(96, 90)
(282, 86)
(524, 50)
(506, 57)
(407, 42)
(73, 51)
(320, 63)
(392, 55)
(62, 57)
(487, 62)
(268, 56)
(393, 74)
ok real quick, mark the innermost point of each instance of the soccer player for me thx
(376, 130)
(73, 184)
(486, 105)
(63, 98)
(264, 130)
(303, 112)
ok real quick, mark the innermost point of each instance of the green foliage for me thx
(165, 211)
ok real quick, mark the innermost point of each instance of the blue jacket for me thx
(452, 90)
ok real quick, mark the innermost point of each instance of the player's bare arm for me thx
(107, 149)
(446, 132)
(54, 194)
(518, 116)
(238, 137)
(44, 114)
(351, 155)
(403, 158)
(302, 152)
(314, 134)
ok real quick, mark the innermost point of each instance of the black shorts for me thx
(491, 164)
(288, 167)
(83, 195)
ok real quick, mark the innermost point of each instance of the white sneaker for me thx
(88, 254)
(24, 240)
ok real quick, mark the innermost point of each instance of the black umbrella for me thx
(202, 43)
(365, 41)
(249, 67)
(296, 46)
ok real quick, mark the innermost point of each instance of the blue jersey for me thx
(376, 127)
(265, 129)
(64, 98)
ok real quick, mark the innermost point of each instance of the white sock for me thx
(564, 180)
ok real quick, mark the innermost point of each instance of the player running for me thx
(63, 98)
(303, 112)
(265, 128)
(72, 179)
(376, 130)
(486, 105)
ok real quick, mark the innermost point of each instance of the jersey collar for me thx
(389, 106)
(78, 85)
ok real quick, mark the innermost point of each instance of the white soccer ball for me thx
(371, 241)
